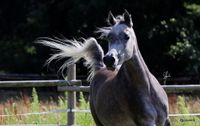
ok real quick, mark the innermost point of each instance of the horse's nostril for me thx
(112, 60)
(109, 61)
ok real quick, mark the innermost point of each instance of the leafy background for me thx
(168, 31)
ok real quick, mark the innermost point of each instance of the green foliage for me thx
(184, 120)
(183, 49)
(35, 103)
(179, 37)
(186, 48)
(162, 27)
(194, 9)
(83, 119)
(182, 105)
(35, 107)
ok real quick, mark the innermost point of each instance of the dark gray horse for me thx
(123, 91)
(126, 93)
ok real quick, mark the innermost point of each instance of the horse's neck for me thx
(136, 70)
(137, 55)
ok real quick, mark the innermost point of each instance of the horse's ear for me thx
(111, 19)
(127, 18)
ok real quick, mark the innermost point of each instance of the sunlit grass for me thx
(13, 107)
(184, 107)
(181, 104)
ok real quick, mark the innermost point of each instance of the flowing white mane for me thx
(90, 50)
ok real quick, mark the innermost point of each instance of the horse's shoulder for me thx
(158, 92)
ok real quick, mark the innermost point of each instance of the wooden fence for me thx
(72, 85)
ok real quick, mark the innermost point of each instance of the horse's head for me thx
(121, 40)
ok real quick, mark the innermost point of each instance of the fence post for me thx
(71, 75)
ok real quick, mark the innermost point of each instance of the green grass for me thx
(29, 105)
(33, 105)
(183, 108)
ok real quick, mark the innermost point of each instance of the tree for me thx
(167, 31)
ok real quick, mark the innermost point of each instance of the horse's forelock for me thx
(120, 19)
(104, 31)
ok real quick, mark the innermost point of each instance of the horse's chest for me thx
(109, 110)
(113, 116)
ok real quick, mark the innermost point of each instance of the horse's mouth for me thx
(111, 68)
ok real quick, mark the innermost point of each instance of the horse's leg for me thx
(94, 115)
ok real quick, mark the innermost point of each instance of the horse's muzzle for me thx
(109, 61)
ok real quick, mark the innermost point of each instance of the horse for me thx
(123, 92)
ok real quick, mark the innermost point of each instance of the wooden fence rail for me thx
(181, 88)
(65, 85)
(38, 83)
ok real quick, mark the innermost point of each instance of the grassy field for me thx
(29, 105)
(184, 105)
